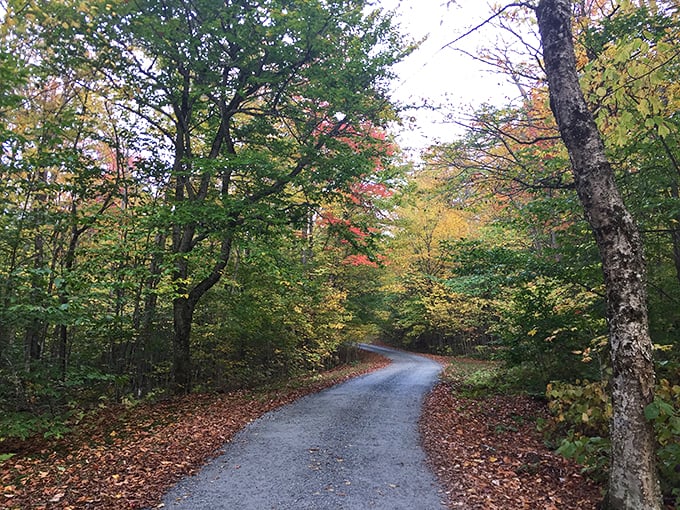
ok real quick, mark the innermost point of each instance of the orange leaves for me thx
(359, 260)
(127, 458)
(488, 455)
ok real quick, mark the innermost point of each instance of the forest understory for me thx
(486, 451)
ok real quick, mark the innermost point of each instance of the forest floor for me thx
(127, 457)
(487, 451)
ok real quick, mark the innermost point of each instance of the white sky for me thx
(443, 75)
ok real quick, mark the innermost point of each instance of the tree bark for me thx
(183, 313)
(37, 329)
(633, 482)
(69, 262)
(146, 317)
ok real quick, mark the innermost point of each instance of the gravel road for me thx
(353, 446)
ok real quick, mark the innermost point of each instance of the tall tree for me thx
(251, 106)
(633, 479)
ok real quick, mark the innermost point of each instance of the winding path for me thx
(353, 446)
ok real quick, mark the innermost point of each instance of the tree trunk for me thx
(183, 312)
(187, 300)
(633, 483)
(36, 329)
(145, 320)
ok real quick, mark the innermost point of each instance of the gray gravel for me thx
(353, 446)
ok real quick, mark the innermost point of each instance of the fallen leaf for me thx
(57, 497)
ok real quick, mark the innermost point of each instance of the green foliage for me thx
(550, 325)
(580, 424)
(664, 412)
(612, 28)
(484, 270)
(478, 378)
(24, 425)
(184, 152)
(436, 319)
(40, 402)
(590, 452)
(482, 381)
(531, 264)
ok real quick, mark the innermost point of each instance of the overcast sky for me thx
(446, 75)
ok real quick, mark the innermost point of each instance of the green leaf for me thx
(652, 411)
(663, 130)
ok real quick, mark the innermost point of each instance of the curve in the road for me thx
(353, 446)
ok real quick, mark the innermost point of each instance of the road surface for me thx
(354, 446)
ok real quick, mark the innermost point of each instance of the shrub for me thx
(580, 424)
(583, 408)
(664, 412)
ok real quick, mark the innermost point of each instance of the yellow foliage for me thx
(424, 222)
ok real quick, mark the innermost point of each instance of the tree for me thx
(425, 313)
(629, 63)
(253, 109)
(153, 150)
(56, 187)
(633, 479)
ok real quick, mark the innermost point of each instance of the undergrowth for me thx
(577, 425)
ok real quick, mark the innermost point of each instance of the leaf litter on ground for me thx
(488, 453)
(126, 457)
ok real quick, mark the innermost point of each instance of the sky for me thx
(442, 75)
